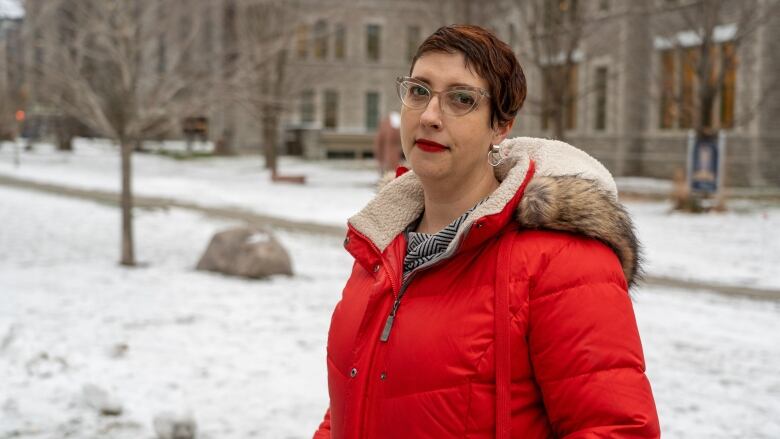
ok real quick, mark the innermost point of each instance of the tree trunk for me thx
(64, 133)
(559, 123)
(126, 203)
(270, 122)
(65, 143)
(224, 145)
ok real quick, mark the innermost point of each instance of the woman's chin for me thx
(426, 170)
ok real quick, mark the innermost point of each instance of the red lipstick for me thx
(430, 146)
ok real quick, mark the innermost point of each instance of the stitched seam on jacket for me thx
(609, 369)
(514, 319)
(573, 287)
(468, 409)
(419, 392)
(513, 316)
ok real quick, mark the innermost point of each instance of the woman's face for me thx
(467, 138)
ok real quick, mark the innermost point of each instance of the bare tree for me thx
(264, 34)
(121, 68)
(554, 32)
(261, 80)
(555, 37)
(702, 41)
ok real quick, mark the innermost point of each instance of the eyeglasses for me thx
(455, 101)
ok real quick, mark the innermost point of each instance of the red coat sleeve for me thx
(585, 346)
(323, 432)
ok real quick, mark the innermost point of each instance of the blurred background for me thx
(133, 133)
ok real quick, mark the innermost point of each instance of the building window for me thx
(161, 54)
(728, 89)
(321, 40)
(373, 39)
(372, 110)
(600, 122)
(571, 99)
(307, 106)
(208, 40)
(331, 109)
(512, 30)
(668, 105)
(553, 103)
(687, 92)
(412, 41)
(185, 26)
(302, 41)
(679, 87)
(229, 36)
(340, 41)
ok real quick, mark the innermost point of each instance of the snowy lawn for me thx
(335, 188)
(248, 357)
(740, 247)
(736, 248)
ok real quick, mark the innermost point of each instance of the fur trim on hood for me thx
(570, 191)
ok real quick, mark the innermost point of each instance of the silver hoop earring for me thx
(494, 156)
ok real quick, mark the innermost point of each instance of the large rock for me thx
(169, 425)
(101, 400)
(247, 252)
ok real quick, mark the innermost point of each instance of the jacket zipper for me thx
(394, 310)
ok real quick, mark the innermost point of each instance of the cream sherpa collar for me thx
(570, 191)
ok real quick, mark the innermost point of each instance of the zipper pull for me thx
(388, 326)
(390, 319)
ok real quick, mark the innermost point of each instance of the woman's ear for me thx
(500, 133)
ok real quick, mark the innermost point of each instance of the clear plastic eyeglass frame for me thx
(456, 101)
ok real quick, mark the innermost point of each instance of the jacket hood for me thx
(569, 191)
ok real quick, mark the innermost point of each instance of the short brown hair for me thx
(492, 59)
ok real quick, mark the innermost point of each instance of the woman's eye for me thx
(416, 90)
(462, 98)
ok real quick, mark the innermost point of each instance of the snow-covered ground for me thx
(11, 9)
(334, 189)
(247, 358)
(736, 248)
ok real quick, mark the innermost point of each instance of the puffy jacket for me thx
(525, 329)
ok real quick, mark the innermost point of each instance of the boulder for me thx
(246, 251)
(169, 425)
(101, 400)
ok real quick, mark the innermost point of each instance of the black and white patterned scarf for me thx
(424, 247)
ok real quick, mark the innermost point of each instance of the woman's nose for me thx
(431, 117)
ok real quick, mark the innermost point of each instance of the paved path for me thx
(325, 229)
(112, 198)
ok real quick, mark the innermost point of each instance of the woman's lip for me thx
(430, 146)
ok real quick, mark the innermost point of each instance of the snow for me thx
(247, 358)
(737, 248)
(740, 247)
(335, 189)
(11, 9)
(712, 362)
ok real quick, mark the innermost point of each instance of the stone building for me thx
(630, 56)
(633, 54)
(340, 60)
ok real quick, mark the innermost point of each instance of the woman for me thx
(489, 292)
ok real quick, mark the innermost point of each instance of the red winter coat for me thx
(533, 292)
